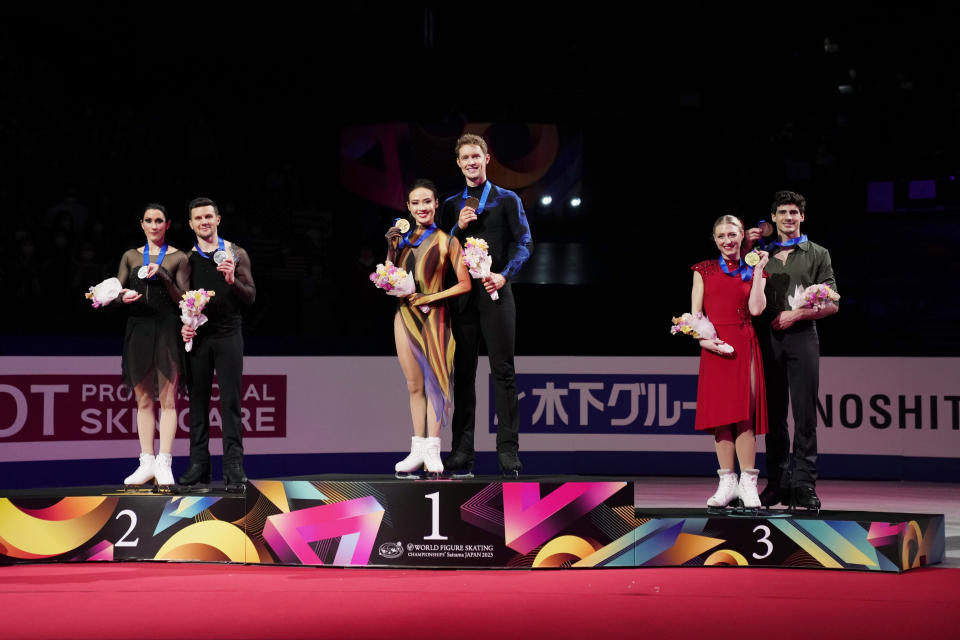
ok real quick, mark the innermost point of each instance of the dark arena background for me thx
(626, 130)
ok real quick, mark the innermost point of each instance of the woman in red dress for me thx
(731, 400)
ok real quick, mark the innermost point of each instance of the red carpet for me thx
(147, 600)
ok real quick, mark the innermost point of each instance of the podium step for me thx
(477, 523)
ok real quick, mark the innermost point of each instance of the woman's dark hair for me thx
(153, 205)
(424, 184)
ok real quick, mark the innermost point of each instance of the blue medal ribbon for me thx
(483, 197)
(792, 242)
(405, 241)
(744, 270)
(146, 257)
(220, 247)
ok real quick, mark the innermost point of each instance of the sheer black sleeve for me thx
(123, 271)
(243, 285)
(171, 273)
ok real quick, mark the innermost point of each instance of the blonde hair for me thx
(470, 138)
(729, 219)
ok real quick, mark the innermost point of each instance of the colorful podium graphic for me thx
(456, 524)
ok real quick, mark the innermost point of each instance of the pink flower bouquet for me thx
(395, 281)
(698, 327)
(104, 293)
(192, 304)
(476, 255)
(816, 296)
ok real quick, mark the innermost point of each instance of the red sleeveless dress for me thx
(723, 388)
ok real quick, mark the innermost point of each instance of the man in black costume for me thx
(224, 268)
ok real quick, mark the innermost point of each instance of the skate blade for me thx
(137, 489)
(164, 489)
(721, 511)
(806, 510)
(193, 488)
(404, 475)
(459, 475)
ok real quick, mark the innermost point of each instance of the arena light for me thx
(546, 200)
(575, 202)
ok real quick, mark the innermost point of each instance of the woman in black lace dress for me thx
(154, 277)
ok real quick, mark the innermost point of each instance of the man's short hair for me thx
(781, 198)
(196, 203)
(471, 138)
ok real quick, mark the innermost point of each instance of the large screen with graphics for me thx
(541, 162)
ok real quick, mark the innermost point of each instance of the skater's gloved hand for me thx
(764, 259)
(227, 268)
(493, 282)
(714, 346)
(129, 295)
(467, 215)
(785, 319)
(392, 234)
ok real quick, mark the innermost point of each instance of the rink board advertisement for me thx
(472, 524)
(75, 407)
(71, 408)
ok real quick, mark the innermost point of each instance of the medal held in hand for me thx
(766, 233)
(144, 271)
(402, 224)
(752, 258)
(218, 256)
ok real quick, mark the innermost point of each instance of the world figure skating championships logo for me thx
(391, 550)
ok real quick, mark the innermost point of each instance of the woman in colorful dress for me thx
(731, 400)
(154, 276)
(421, 327)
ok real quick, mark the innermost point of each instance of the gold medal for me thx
(403, 224)
(752, 258)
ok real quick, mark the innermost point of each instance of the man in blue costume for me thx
(484, 210)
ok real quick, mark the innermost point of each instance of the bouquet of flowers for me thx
(105, 292)
(395, 281)
(476, 255)
(698, 327)
(192, 304)
(816, 296)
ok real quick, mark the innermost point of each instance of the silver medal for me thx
(143, 272)
(219, 257)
